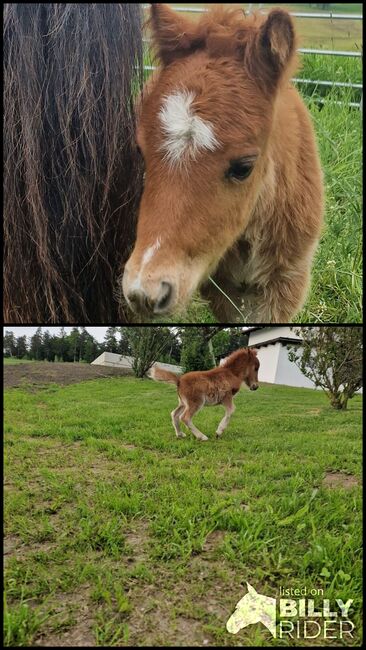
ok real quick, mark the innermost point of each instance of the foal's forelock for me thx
(184, 133)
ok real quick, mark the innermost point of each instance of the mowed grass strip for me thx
(117, 533)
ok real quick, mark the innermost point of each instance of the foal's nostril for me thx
(138, 301)
(141, 302)
(165, 297)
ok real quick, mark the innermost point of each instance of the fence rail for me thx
(296, 14)
(303, 50)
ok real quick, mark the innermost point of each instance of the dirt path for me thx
(41, 373)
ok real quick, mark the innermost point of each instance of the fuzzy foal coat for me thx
(256, 238)
(211, 388)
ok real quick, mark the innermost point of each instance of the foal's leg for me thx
(175, 419)
(227, 402)
(187, 416)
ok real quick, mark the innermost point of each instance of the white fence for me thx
(324, 16)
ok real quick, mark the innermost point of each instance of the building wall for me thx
(262, 335)
(268, 359)
(114, 360)
(288, 373)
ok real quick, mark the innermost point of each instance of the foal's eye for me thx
(239, 170)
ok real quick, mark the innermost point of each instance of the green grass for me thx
(12, 361)
(120, 534)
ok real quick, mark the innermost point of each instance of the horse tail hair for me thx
(158, 374)
(72, 171)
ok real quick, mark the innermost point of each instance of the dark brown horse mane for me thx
(72, 173)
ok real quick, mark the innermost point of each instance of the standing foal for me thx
(210, 388)
(233, 184)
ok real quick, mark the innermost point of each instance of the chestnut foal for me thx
(210, 388)
(233, 184)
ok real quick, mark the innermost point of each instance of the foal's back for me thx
(209, 386)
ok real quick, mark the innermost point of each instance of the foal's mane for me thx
(237, 360)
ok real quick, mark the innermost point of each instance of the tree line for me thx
(195, 348)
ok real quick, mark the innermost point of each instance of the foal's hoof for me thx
(218, 435)
(181, 435)
(203, 438)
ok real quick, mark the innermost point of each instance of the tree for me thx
(36, 345)
(60, 345)
(332, 358)
(124, 347)
(87, 346)
(91, 349)
(147, 345)
(48, 342)
(73, 340)
(10, 344)
(197, 352)
(110, 342)
(21, 347)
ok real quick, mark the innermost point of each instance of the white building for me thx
(276, 368)
(117, 361)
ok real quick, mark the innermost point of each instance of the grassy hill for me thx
(117, 533)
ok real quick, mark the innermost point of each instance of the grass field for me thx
(117, 533)
(13, 361)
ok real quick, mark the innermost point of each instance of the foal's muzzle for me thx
(144, 303)
(254, 386)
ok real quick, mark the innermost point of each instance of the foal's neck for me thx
(236, 367)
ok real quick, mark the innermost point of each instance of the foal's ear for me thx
(275, 49)
(174, 36)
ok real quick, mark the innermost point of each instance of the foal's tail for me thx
(158, 374)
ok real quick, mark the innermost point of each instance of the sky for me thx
(29, 330)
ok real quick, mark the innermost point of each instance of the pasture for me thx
(117, 533)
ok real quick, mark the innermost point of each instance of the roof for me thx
(284, 340)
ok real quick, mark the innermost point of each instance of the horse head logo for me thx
(253, 608)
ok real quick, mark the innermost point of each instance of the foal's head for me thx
(244, 363)
(204, 124)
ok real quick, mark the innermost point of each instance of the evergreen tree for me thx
(36, 346)
(110, 340)
(48, 346)
(21, 347)
(83, 339)
(91, 349)
(124, 347)
(61, 345)
(73, 347)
